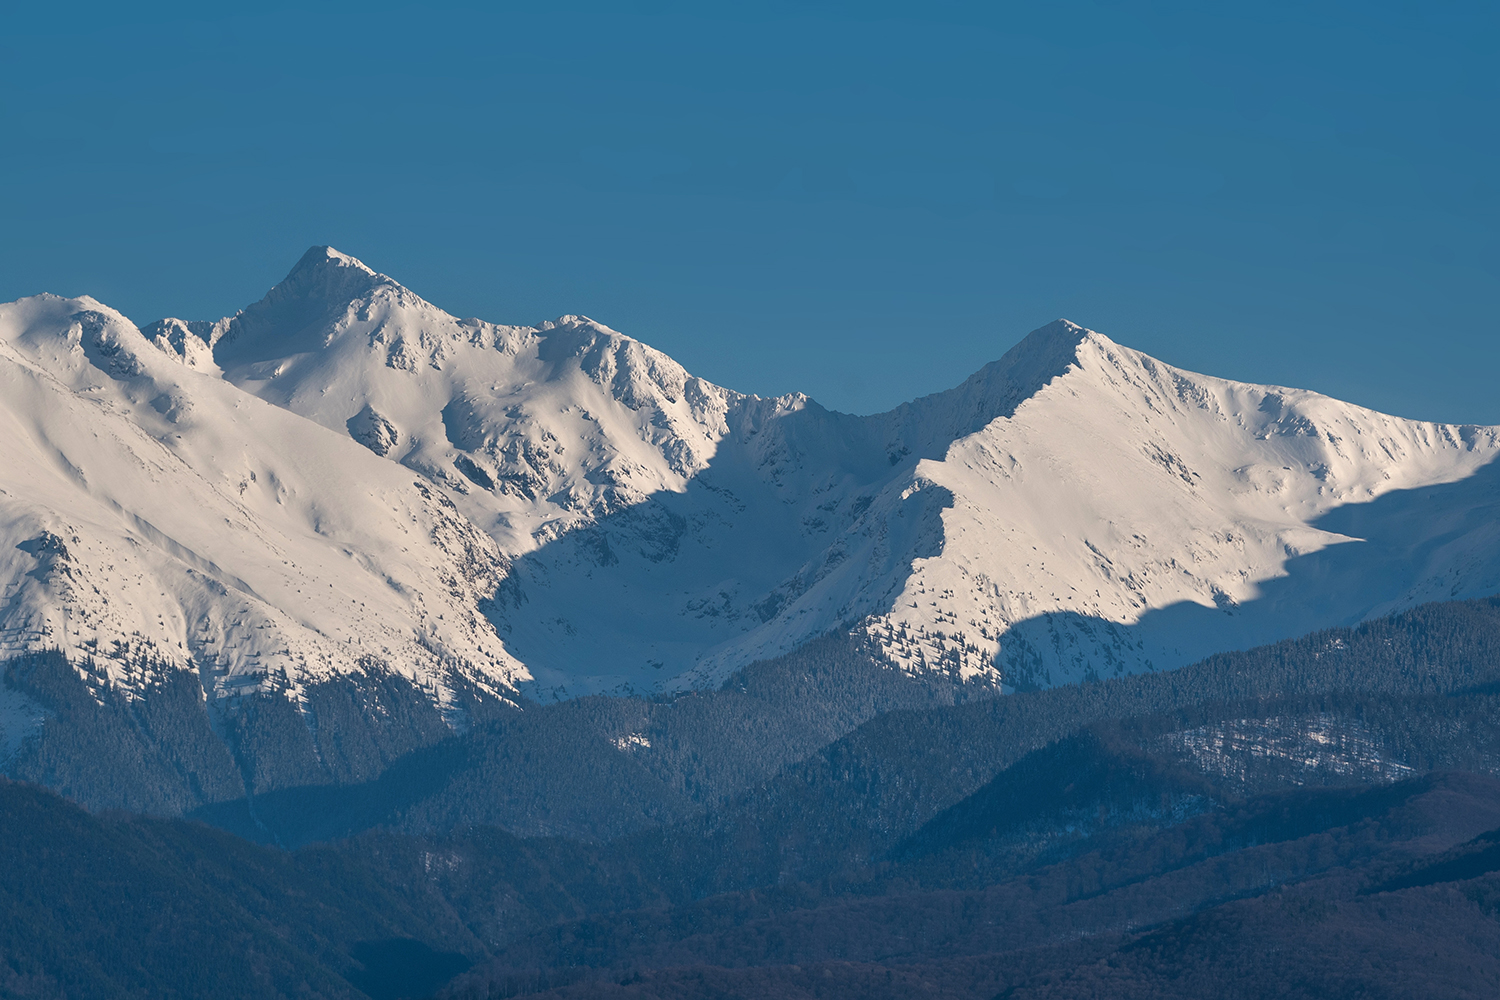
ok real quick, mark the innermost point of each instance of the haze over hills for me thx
(345, 480)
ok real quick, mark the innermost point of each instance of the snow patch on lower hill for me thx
(152, 514)
(1289, 750)
(631, 741)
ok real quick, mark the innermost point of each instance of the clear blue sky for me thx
(862, 201)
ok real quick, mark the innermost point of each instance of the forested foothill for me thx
(1315, 818)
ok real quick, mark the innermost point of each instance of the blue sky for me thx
(865, 201)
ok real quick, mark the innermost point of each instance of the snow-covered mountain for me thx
(345, 478)
(153, 515)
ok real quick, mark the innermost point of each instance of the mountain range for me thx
(516, 660)
(343, 478)
(343, 488)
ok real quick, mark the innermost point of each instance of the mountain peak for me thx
(1045, 353)
(320, 288)
(325, 273)
(322, 257)
(1057, 342)
(1042, 354)
(1063, 332)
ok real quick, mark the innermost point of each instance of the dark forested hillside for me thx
(370, 752)
(1142, 907)
(106, 907)
(1165, 832)
(846, 806)
(1314, 818)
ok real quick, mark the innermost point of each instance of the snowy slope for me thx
(1200, 511)
(1076, 509)
(665, 531)
(153, 513)
(343, 470)
(530, 426)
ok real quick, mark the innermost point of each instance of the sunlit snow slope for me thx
(1074, 509)
(151, 513)
(1130, 515)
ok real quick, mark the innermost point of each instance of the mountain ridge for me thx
(154, 506)
(635, 528)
